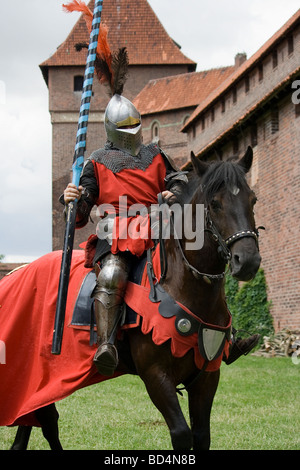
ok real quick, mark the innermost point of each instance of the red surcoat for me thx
(139, 187)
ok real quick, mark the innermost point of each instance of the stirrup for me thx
(106, 359)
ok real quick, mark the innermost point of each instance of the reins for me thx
(208, 278)
(162, 248)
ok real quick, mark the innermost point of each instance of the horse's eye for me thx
(215, 205)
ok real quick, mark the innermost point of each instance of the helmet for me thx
(123, 125)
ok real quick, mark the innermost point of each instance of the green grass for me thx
(256, 408)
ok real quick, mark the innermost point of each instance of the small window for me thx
(247, 83)
(235, 146)
(186, 119)
(212, 114)
(290, 45)
(234, 95)
(260, 72)
(275, 58)
(274, 121)
(203, 123)
(78, 82)
(254, 135)
(155, 132)
(223, 105)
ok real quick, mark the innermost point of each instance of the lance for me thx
(80, 147)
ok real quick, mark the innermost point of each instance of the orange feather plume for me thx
(111, 69)
(78, 5)
(103, 49)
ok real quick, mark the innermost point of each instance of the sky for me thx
(210, 32)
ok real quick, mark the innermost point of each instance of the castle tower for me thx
(152, 54)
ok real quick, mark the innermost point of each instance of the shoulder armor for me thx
(169, 160)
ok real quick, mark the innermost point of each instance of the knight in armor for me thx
(124, 167)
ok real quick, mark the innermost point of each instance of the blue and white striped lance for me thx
(80, 145)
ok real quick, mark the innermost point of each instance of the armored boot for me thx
(241, 346)
(108, 295)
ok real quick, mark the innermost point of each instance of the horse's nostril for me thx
(236, 259)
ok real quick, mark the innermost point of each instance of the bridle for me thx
(223, 248)
(224, 245)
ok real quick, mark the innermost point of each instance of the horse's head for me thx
(229, 204)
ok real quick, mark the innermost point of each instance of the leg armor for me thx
(108, 295)
(241, 346)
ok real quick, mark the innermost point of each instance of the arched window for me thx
(186, 118)
(155, 132)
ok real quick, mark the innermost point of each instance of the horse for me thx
(195, 278)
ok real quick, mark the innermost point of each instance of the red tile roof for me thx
(179, 91)
(132, 24)
(244, 68)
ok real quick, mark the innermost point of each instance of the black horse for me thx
(195, 279)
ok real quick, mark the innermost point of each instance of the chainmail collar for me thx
(117, 160)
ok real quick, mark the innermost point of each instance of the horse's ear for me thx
(247, 159)
(199, 166)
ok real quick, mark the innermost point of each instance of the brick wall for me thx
(276, 175)
(258, 111)
(227, 109)
(275, 178)
(170, 139)
(61, 84)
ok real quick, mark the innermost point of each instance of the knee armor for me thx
(111, 281)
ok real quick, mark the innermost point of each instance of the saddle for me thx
(149, 306)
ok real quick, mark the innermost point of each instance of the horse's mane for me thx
(226, 174)
(220, 174)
